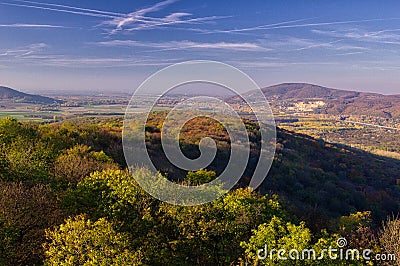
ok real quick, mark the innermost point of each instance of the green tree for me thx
(8, 239)
(356, 228)
(79, 241)
(10, 128)
(272, 236)
(210, 234)
(295, 244)
(25, 212)
(389, 237)
(78, 162)
(25, 160)
(115, 195)
(110, 193)
(200, 177)
(354, 220)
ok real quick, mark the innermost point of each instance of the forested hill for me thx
(346, 102)
(63, 193)
(322, 180)
(318, 180)
(17, 96)
(308, 91)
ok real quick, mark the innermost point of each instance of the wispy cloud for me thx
(293, 44)
(23, 51)
(147, 25)
(179, 45)
(350, 53)
(319, 45)
(347, 47)
(95, 11)
(260, 27)
(115, 21)
(278, 64)
(97, 62)
(66, 9)
(139, 15)
(39, 54)
(381, 37)
(290, 24)
(20, 25)
(139, 20)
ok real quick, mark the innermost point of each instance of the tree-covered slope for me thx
(318, 180)
(17, 96)
(65, 201)
(337, 101)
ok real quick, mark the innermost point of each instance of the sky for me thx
(113, 46)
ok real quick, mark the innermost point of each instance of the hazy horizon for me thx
(118, 92)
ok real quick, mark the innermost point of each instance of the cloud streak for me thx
(138, 15)
(138, 20)
(21, 25)
(166, 22)
(318, 45)
(283, 25)
(38, 54)
(92, 14)
(133, 21)
(95, 62)
(278, 64)
(24, 51)
(179, 45)
(261, 27)
(379, 37)
(73, 8)
(350, 53)
(293, 44)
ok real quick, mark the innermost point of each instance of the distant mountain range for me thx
(17, 96)
(307, 91)
(337, 102)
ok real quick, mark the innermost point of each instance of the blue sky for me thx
(114, 45)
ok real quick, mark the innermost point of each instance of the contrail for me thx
(317, 45)
(258, 27)
(117, 19)
(62, 10)
(283, 25)
(331, 23)
(72, 7)
(165, 23)
(30, 26)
